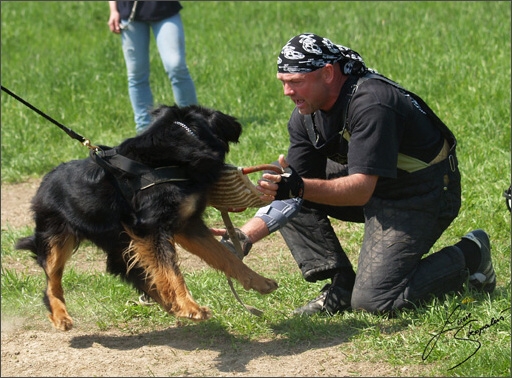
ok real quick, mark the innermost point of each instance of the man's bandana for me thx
(309, 52)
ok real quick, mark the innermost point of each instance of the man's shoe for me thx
(332, 300)
(484, 279)
(244, 240)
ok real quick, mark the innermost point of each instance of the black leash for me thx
(68, 131)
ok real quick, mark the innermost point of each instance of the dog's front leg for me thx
(203, 244)
(161, 279)
(170, 291)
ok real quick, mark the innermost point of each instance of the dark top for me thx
(149, 10)
(382, 121)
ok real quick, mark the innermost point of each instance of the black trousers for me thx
(399, 230)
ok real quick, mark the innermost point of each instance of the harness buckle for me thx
(451, 160)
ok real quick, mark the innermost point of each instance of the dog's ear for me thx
(224, 126)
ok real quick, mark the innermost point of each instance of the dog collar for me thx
(187, 129)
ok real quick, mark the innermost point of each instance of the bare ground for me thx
(39, 350)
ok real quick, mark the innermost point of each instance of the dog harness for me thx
(132, 176)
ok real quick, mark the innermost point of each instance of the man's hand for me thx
(283, 186)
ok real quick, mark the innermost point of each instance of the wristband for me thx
(290, 186)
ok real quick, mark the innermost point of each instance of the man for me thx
(363, 149)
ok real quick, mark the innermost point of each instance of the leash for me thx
(132, 15)
(68, 131)
(232, 235)
(131, 176)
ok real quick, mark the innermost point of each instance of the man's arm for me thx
(351, 190)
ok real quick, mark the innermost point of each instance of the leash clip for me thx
(87, 143)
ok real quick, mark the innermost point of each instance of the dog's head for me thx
(193, 137)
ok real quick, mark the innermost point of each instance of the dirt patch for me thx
(16, 204)
(174, 351)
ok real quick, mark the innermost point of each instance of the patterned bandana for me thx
(309, 52)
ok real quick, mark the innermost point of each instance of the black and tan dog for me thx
(139, 222)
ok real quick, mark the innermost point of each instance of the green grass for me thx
(61, 57)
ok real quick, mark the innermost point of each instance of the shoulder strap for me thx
(311, 129)
(406, 163)
(422, 105)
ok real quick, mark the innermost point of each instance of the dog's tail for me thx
(27, 243)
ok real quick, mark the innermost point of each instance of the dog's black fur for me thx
(80, 200)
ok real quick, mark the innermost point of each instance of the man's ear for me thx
(328, 73)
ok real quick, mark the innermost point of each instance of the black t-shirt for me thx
(148, 10)
(382, 121)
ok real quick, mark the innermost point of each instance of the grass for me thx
(61, 57)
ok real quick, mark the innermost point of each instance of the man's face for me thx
(307, 90)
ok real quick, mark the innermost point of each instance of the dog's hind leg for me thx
(153, 268)
(199, 240)
(60, 249)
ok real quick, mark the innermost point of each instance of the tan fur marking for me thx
(61, 249)
(219, 257)
(189, 206)
(164, 282)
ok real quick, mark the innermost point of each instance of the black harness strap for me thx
(309, 119)
(132, 176)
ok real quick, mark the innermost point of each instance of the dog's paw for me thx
(261, 284)
(197, 314)
(269, 286)
(63, 323)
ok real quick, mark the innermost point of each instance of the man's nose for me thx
(288, 91)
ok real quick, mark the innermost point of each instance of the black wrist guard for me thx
(290, 186)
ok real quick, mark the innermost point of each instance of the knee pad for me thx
(278, 213)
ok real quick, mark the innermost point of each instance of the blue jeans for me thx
(170, 41)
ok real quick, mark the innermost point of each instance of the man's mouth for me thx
(299, 103)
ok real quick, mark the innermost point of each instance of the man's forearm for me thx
(353, 190)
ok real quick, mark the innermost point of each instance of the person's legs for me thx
(392, 272)
(316, 249)
(314, 245)
(170, 40)
(135, 43)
